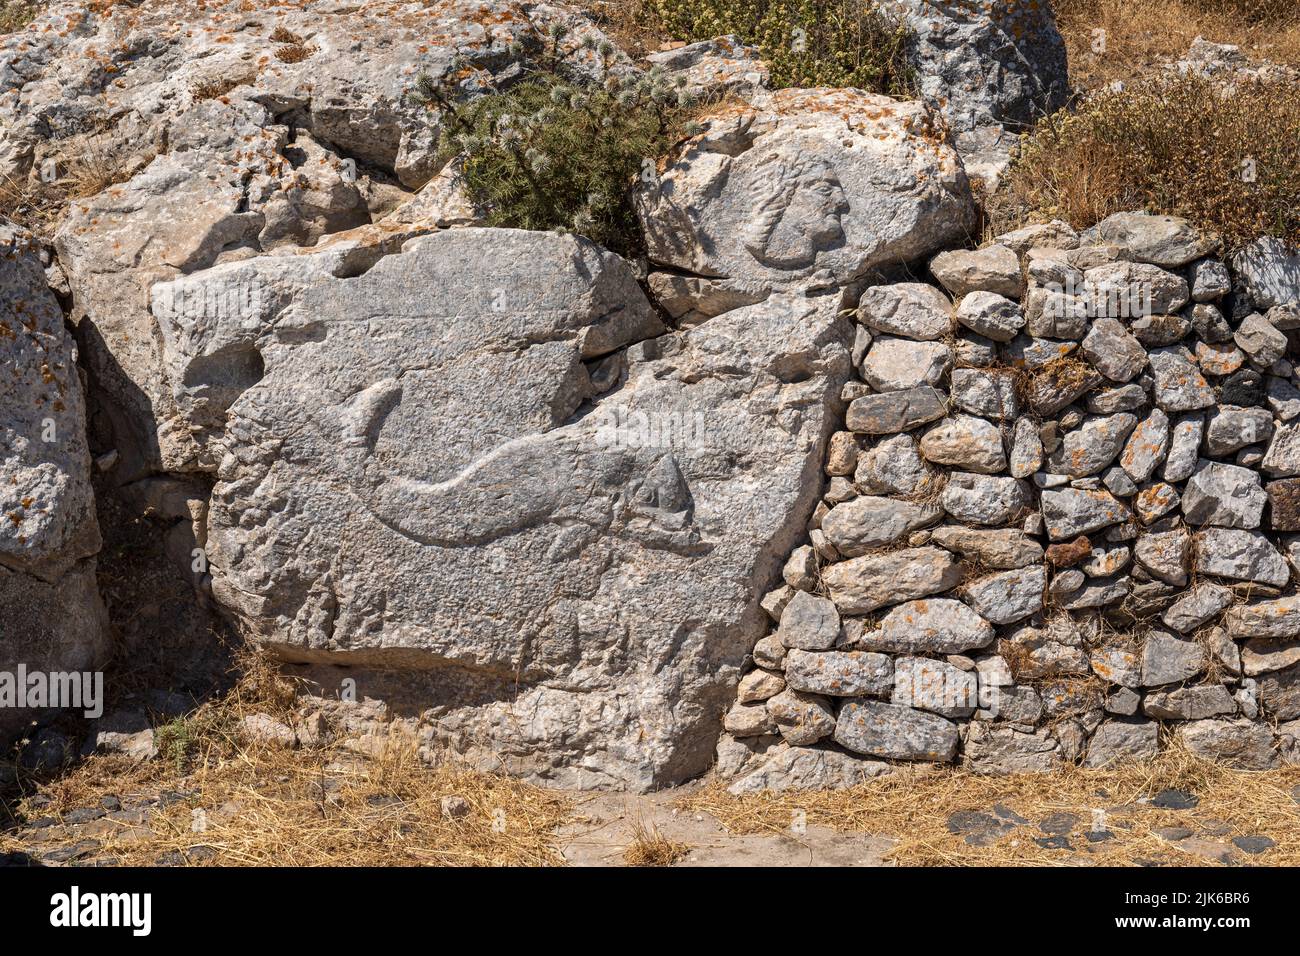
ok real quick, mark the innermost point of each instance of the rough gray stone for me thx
(800, 570)
(801, 719)
(715, 67)
(1241, 556)
(809, 623)
(1184, 445)
(1054, 649)
(806, 768)
(1164, 555)
(51, 617)
(985, 392)
(1135, 289)
(1218, 359)
(1179, 384)
(1283, 398)
(1146, 447)
(1278, 618)
(1257, 337)
(748, 720)
(1070, 512)
(1237, 743)
(1190, 703)
(758, 685)
(861, 585)
(1279, 693)
(1117, 664)
(1096, 593)
(895, 411)
(1198, 606)
(1000, 549)
(866, 523)
(983, 70)
(1168, 659)
(1165, 241)
(990, 315)
(1224, 495)
(994, 268)
(892, 466)
(913, 310)
(1114, 352)
(985, 499)
(1009, 596)
(839, 673)
(1122, 741)
(772, 194)
(991, 749)
(1270, 270)
(965, 442)
(893, 364)
(1053, 314)
(1263, 656)
(934, 686)
(1090, 448)
(1210, 280)
(1283, 457)
(895, 732)
(1126, 398)
(1026, 449)
(934, 626)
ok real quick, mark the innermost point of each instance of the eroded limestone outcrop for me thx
(51, 618)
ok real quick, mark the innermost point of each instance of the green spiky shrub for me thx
(561, 150)
(804, 42)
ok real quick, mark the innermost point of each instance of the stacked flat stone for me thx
(1058, 525)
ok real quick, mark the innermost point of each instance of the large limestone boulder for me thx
(227, 131)
(425, 477)
(807, 186)
(341, 70)
(987, 63)
(51, 618)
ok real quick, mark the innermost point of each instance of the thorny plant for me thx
(561, 147)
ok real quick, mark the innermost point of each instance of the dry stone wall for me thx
(1058, 525)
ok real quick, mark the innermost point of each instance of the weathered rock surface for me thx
(866, 523)
(772, 194)
(895, 732)
(1240, 556)
(988, 65)
(839, 673)
(1238, 743)
(1280, 618)
(806, 768)
(935, 626)
(51, 617)
(862, 585)
(522, 494)
(1002, 750)
(1122, 741)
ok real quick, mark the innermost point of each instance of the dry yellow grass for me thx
(914, 806)
(649, 847)
(268, 805)
(1140, 34)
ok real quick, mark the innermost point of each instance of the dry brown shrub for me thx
(1228, 158)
